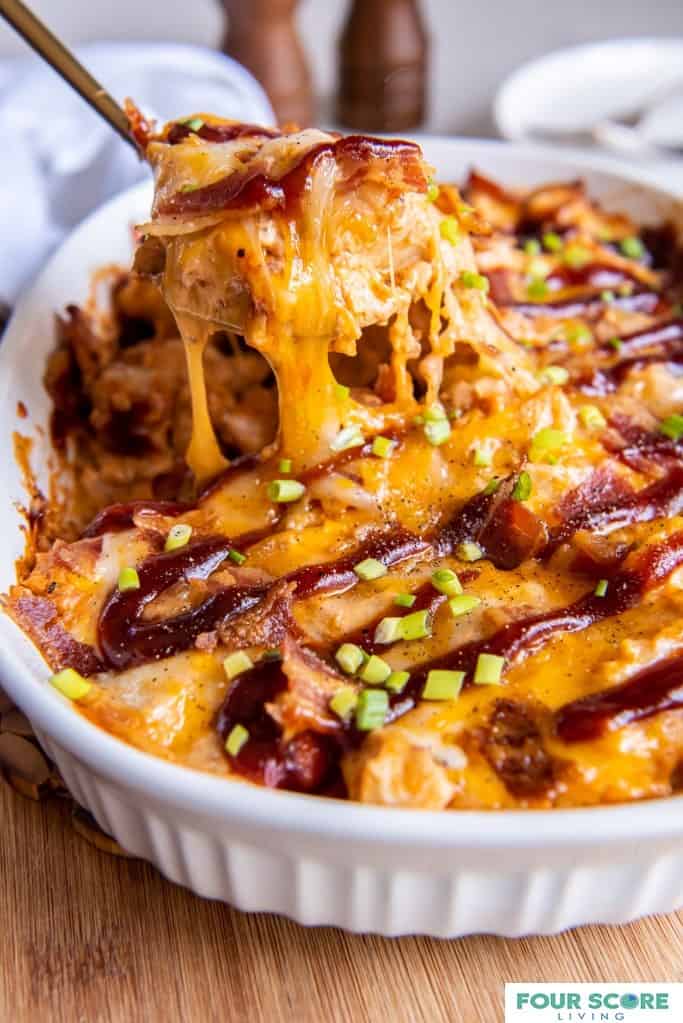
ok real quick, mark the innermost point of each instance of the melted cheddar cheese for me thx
(483, 427)
(354, 241)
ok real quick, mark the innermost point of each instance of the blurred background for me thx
(604, 75)
(475, 44)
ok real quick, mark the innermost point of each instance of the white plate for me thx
(322, 861)
(575, 87)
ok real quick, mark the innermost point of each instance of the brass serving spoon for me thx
(39, 38)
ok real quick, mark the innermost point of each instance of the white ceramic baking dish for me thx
(321, 861)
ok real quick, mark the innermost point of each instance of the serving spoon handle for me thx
(40, 39)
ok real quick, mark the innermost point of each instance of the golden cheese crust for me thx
(448, 573)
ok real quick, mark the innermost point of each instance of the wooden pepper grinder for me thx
(383, 66)
(261, 34)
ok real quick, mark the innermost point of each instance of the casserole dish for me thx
(323, 862)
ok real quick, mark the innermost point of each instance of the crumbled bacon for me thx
(513, 744)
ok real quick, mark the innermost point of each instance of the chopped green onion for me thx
(626, 289)
(435, 413)
(349, 657)
(545, 442)
(532, 247)
(446, 581)
(615, 343)
(272, 655)
(178, 536)
(432, 191)
(236, 740)
(552, 241)
(371, 568)
(349, 437)
(470, 279)
(492, 486)
(437, 433)
(449, 230)
(601, 588)
(388, 631)
(129, 579)
(371, 710)
(344, 701)
(375, 671)
(537, 288)
(577, 334)
(396, 682)
(341, 390)
(285, 465)
(522, 488)
(416, 625)
(576, 256)
(418, 421)
(672, 426)
(591, 417)
(382, 447)
(194, 123)
(488, 670)
(405, 599)
(469, 551)
(71, 684)
(237, 663)
(558, 375)
(464, 208)
(537, 268)
(443, 685)
(463, 603)
(607, 297)
(236, 556)
(285, 491)
(482, 458)
(632, 248)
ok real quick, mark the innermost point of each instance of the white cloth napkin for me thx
(61, 161)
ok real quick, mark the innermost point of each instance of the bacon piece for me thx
(38, 617)
(266, 624)
(126, 639)
(615, 504)
(308, 763)
(249, 186)
(311, 683)
(218, 131)
(590, 307)
(506, 530)
(140, 128)
(117, 517)
(513, 745)
(639, 448)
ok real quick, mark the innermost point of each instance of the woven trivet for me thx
(28, 771)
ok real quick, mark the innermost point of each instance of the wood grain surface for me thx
(90, 938)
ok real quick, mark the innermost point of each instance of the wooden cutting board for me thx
(91, 938)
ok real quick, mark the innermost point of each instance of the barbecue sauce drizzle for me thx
(655, 689)
(241, 189)
(508, 533)
(264, 757)
(125, 639)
